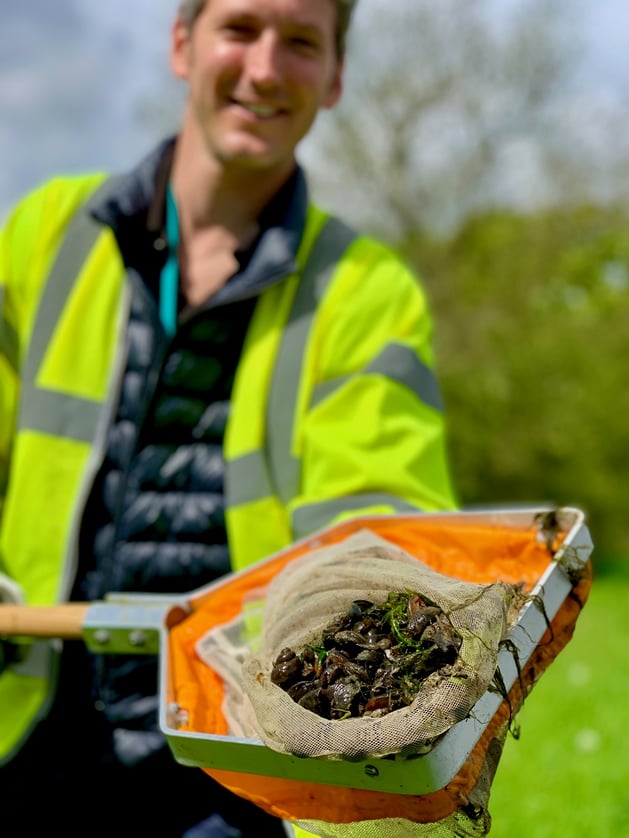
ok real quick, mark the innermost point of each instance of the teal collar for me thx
(169, 277)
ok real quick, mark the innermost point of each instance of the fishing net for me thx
(310, 593)
(292, 604)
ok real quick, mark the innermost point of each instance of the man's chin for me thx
(254, 158)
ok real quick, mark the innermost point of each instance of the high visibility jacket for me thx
(335, 408)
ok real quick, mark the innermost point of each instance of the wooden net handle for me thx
(64, 621)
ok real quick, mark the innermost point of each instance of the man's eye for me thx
(306, 44)
(240, 30)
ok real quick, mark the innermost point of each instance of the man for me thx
(197, 367)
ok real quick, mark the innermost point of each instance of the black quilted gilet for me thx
(155, 519)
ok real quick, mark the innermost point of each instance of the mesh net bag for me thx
(290, 603)
(312, 591)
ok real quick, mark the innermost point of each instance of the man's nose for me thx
(264, 60)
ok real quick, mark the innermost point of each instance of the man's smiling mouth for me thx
(261, 110)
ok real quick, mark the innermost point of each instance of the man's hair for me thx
(190, 10)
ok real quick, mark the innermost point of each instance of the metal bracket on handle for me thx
(131, 624)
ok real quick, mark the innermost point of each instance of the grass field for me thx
(567, 776)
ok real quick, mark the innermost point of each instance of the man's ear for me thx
(180, 49)
(336, 86)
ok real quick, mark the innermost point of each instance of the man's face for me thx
(258, 72)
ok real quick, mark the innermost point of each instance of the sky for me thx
(607, 28)
(85, 84)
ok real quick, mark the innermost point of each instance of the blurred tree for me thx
(532, 345)
(449, 108)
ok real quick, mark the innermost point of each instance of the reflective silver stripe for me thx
(327, 251)
(49, 412)
(248, 479)
(400, 364)
(41, 409)
(9, 344)
(38, 661)
(316, 516)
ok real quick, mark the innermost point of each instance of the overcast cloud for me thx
(80, 81)
(74, 79)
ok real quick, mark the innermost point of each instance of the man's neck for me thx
(211, 195)
(218, 210)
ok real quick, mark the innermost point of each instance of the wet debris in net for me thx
(371, 660)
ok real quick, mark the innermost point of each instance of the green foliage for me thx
(567, 774)
(532, 343)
